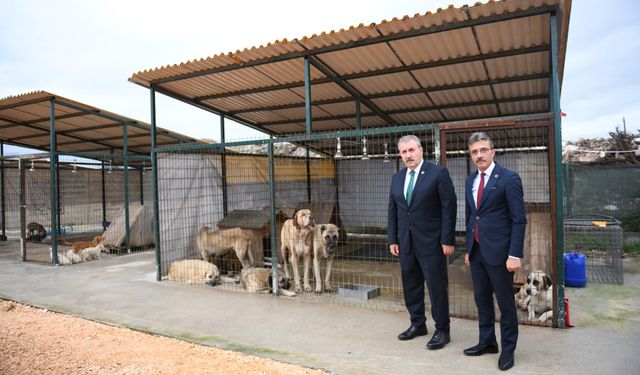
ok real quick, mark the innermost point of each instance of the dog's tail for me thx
(64, 242)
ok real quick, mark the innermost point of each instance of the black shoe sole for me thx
(487, 350)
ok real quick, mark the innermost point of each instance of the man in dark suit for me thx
(496, 223)
(421, 230)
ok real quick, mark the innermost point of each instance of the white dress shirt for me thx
(408, 178)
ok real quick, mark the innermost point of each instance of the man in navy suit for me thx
(496, 223)
(421, 230)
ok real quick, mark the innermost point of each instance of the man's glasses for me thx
(482, 151)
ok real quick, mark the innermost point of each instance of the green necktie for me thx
(410, 188)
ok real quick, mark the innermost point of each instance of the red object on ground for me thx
(567, 313)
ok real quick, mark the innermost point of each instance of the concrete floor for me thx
(339, 337)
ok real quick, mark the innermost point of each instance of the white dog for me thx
(325, 242)
(297, 238)
(75, 258)
(194, 271)
(91, 253)
(539, 296)
(63, 260)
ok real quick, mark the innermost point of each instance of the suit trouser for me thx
(487, 280)
(416, 269)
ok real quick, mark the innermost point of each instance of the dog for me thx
(325, 242)
(540, 296)
(80, 245)
(75, 258)
(194, 272)
(218, 242)
(63, 260)
(521, 297)
(90, 253)
(35, 232)
(260, 280)
(297, 237)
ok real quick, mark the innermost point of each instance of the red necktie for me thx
(480, 191)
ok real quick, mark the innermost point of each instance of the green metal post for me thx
(358, 120)
(125, 149)
(104, 198)
(557, 136)
(53, 175)
(307, 93)
(223, 157)
(154, 182)
(272, 216)
(23, 211)
(141, 174)
(3, 236)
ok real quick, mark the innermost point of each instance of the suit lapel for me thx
(469, 189)
(421, 175)
(493, 179)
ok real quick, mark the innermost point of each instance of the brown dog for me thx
(218, 242)
(260, 280)
(81, 245)
(296, 237)
(325, 242)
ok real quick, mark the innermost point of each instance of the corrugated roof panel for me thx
(402, 102)
(420, 117)
(325, 91)
(480, 10)
(477, 111)
(288, 71)
(444, 75)
(470, 94)
(524, 88)
(518, 33)
(257, 100)
(286, 129)
(419, 21)
(529, 106)
(384, 83)
(346, 108)
(267, 116)
(518, 65)
(328, 125)
(436, 47)
(342, 36)
(361, 59)
(276, 48)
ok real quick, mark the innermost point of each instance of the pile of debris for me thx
(620, 148)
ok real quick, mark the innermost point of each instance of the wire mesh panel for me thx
(9, 200)
(524, 150)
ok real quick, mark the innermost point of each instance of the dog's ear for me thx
(295, 220)
(323, 228)
(547, 282)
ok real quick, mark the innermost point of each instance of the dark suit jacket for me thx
(501, 217)
(431, 216)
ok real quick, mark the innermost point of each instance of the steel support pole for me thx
(3, 236)
(141, 175)
(53, 178)
(272, 218)
(223, 161)
(104, 199)
(125, 150)
(154, 182)
(557, 136)
(358, 119)
(307, 112)
(23, 211)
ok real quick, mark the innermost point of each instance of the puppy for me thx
(541, 296)
(75, 258)
(218, 242)
(63, 260)
(80, 245)
(35, 232)
(193, 272)
(297, 237)
(91, 253)
(325, 241)
(260, 280)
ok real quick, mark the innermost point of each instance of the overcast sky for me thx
(86, 51)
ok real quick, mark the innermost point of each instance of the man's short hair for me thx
(480, 136)
(407, 138)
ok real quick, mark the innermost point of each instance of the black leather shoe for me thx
(481, 349)
(439, 340)
(506, 361)
(413, 332)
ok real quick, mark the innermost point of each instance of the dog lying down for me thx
(260, 280)
(194, 272)
(536, 296)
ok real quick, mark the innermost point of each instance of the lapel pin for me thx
(422, 172)
(496, 175)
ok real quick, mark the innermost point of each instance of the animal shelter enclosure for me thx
(333, 106)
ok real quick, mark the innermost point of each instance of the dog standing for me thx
(90, 253)
(540, 295)
(193, 272)
(260, 280)
(35, 232)
(218, 242)
(325, 241)
(80, 245)
(297, 237)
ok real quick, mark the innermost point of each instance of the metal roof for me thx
(481, 61)
(80, 128)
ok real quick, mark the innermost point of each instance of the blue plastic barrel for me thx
(575, 270)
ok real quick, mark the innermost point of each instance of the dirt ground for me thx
(39, 341)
